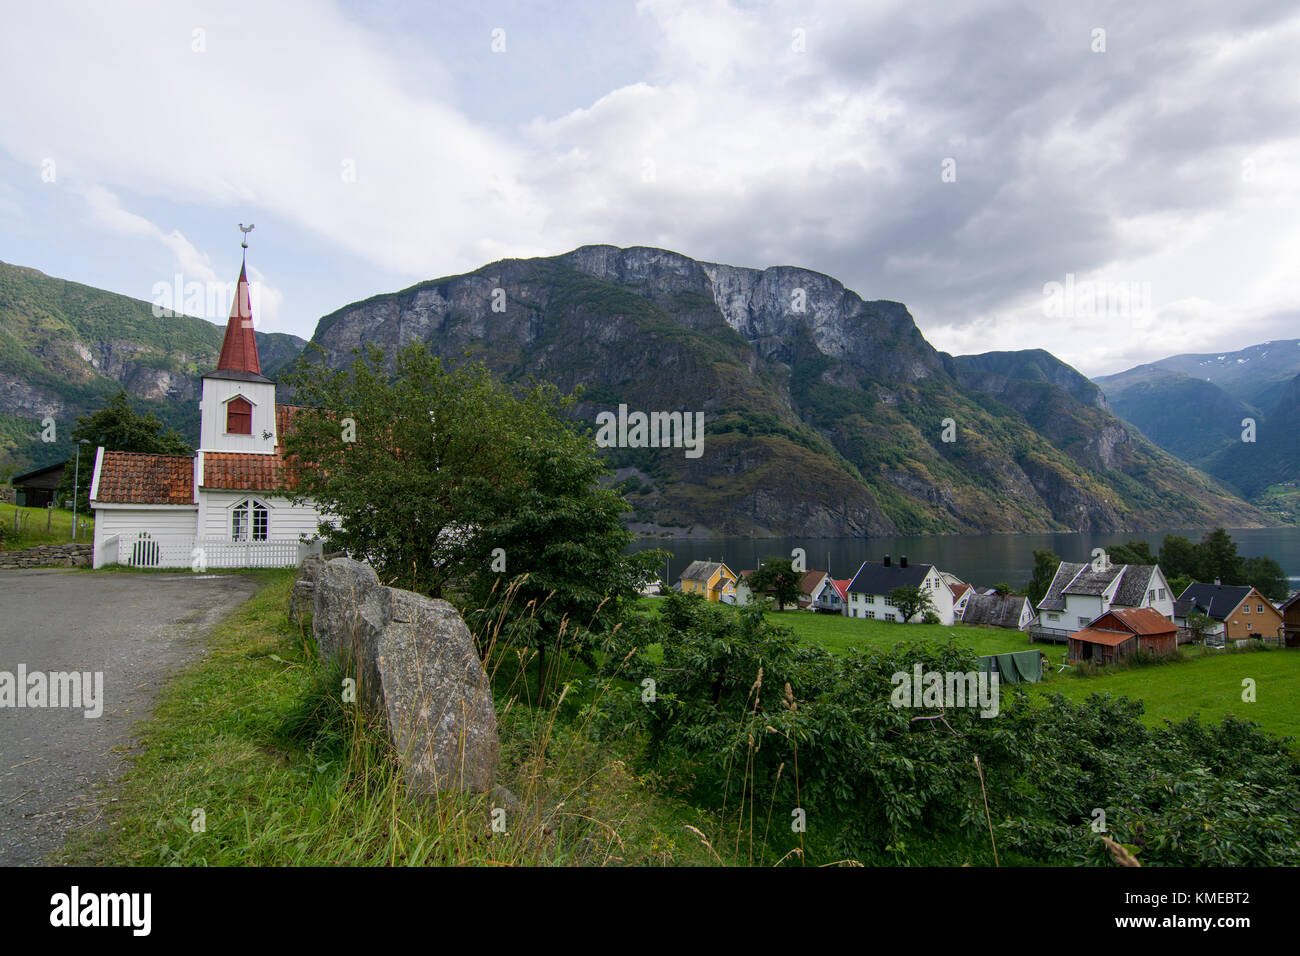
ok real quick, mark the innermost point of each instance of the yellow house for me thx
(712, 580)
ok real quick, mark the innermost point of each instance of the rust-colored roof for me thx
(1109, 638)
(810, 580)
(1141, 620)
(239, 348)
(127, 477)
(959, 589)
(242, 471)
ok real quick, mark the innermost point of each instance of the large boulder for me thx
(303, 595)
(436, 696)
(338, 596)
(416, 666)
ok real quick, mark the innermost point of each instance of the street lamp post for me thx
(76, 476)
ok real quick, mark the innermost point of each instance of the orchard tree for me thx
(777, 578)
(911, 601)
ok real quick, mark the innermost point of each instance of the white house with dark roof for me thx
(225, 505)
(1081, 593)
(868, 592)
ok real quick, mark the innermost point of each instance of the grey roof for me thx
(700, 570)
(1052, 600)
(1092, 582)
(238, 376)
(994, 610)
(1183, 607)
(1133, 587)
(877, 579)
(1219, 600)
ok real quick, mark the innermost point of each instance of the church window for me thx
(239, 416)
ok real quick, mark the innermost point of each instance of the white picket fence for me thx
(181, 551)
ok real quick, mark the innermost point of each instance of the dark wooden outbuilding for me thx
(1291, 621)
(36, 488)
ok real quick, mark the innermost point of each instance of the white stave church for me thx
(224, 506)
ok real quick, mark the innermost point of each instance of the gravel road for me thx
(134, 628)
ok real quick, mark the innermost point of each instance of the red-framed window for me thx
(239, 416)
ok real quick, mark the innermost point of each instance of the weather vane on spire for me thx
(245, 230)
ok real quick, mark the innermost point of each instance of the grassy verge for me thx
(254, 743)
(31, 527)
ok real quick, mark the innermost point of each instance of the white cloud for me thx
(732, 146)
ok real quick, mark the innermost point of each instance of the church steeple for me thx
(239, 349)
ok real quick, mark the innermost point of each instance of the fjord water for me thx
(982, 559)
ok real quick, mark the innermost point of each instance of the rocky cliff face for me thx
(827, 414)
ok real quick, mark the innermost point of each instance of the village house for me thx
(1236, 612)
(224, 506)
(712, 580)
(1081, 593)
(1121, 632)
(868, 592)
(812, 586)
(1291, 620)
(961, 593)
(996, 610)
(832, 598)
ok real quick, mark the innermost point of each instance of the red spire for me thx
(239, 350)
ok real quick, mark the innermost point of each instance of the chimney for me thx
(903, 562)
(886, 560)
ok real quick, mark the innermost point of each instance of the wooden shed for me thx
(1117, 634)
(1291, 620)
(35, 489)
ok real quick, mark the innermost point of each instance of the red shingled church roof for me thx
(239, 348)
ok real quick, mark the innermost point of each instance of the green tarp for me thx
(1016, 668)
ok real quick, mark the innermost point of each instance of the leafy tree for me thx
(452, 484)
(118, 427)
(1199, 624)
(1135, 552)
(1179, 583)
(560, 542)
(1267, 576)
(1217, 558)
(777, 577)
(1003, 589)
(911, 600)
(1045, 565)
(1179, 558)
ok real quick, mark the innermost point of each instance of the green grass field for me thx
(839, 634)
(1208, 685)
(31, 527)
(1205, 683)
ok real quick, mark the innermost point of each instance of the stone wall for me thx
(48, 556)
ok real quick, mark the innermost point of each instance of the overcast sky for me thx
(957, 157)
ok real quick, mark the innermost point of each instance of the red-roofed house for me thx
(1121, 632)
(224, 506)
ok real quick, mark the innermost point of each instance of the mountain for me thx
(1255, 376)
(1194, 406)
(66, 347)
(826, 414)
